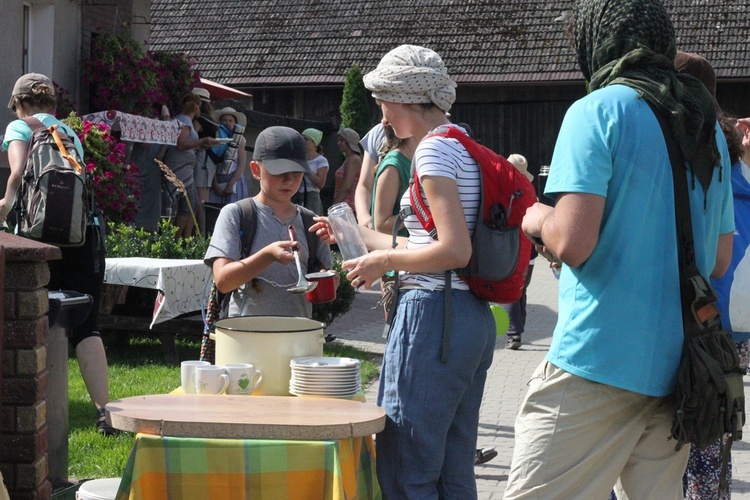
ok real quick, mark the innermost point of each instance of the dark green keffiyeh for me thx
(632, 42)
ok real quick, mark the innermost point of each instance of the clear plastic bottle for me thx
(345, 229)
(541, 183)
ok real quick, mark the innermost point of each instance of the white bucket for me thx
(269, 343)
(99, 489)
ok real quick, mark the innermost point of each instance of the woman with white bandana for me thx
(428, 446)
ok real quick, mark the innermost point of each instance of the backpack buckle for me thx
(702, 306)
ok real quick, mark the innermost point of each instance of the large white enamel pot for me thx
(269, 343)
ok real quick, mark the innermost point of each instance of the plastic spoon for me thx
(302, 286)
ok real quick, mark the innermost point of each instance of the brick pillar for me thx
(23, 428)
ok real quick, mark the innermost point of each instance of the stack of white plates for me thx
(325, 376)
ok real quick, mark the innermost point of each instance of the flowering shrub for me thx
(177, 75)
(112, 179)
(124, 77)
(120, 76)
(65, 102)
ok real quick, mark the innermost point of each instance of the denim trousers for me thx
(428, 446)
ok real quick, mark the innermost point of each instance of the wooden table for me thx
(278, 447)
(246, 417)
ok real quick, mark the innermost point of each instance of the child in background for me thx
(228, 184)
(309, 192)
(259, 280)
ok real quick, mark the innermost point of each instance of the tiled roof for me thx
(301, 42)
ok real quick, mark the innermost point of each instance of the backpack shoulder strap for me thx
(34, 123)
(248, 224)
(248, 227)
(418, 204)
(313, 242)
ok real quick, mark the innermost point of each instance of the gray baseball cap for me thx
(26, 84)
(282, 150)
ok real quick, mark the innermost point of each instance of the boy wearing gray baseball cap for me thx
(258, 273)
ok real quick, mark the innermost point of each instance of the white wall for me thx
(41, 37)
(66, 50)
(55, 33)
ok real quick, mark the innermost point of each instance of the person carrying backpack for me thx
(428, 446)
(259, 276)
(517, 310)
(82, 267)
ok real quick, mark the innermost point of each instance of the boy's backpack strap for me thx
(248, 224)
(313, 242)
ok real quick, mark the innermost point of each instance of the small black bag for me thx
(710, 398)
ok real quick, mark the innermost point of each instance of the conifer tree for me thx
(355, 108)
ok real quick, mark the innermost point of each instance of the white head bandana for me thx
(409, 74)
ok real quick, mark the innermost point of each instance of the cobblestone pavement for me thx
(506, 380)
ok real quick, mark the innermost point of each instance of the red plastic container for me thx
(326, 289)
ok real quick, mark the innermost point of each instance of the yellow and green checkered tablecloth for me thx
(181, 468)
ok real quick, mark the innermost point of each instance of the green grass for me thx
(135, 368)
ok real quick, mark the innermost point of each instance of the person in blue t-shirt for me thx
(599, 406)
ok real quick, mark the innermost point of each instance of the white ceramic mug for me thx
(242, 378)
(210, 379)
(187, 375)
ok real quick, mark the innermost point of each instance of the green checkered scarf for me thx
(632, 42)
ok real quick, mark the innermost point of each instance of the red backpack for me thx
(500, 251)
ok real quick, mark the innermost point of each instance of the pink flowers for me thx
(124, 77)
(112, 179)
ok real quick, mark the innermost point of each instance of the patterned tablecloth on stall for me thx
(176, 468)
(135, 128)
(180, 282)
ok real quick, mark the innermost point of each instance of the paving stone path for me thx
(506, 381)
